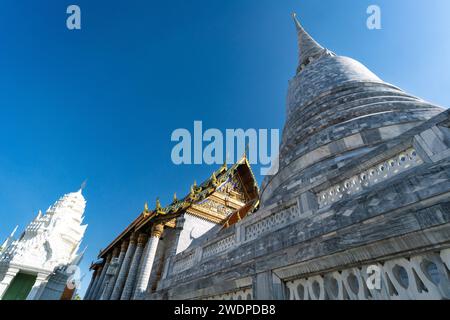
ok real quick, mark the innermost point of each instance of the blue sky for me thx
(101, 103)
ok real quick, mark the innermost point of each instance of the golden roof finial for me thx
(214, 179)
(192, 193)
(158, 204)
(159, 208)
(196, 187)
(224, 166)
(175, 199)
(146, 210)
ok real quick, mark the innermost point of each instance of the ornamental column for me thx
(110, 287)
(89, 289)
(39, 284)
(132, 274)
(108, 283)
(111, 272)
(122, 277)
(7, 279)
(95, 285)
(98, 290)
(147, 260)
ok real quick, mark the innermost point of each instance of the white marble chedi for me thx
(48, 245)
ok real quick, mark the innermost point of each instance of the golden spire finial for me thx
(175, 199)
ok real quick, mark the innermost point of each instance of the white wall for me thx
(193, 228)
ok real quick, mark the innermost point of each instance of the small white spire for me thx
(78, 257)
(83, 186)
(8, 240)
(14, 231)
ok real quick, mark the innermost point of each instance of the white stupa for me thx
(33, 266)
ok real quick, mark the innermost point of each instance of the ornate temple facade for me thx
(156, 243)
(34, 266)
(359, 209)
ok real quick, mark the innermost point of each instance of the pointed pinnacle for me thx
(309, 49)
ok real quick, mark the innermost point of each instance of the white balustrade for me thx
(419, 277)
(269, 223)
(184, 263)
(378, 173)
(243, 294)
(219, 246)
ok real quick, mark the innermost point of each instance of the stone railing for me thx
(243, 232)
(403, 161)
(219, 246)
(243, 294)
(185, 263)
(419, 277)
(267, 221)
(275, 220)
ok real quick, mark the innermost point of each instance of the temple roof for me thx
(197, 194)
(241, 213)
